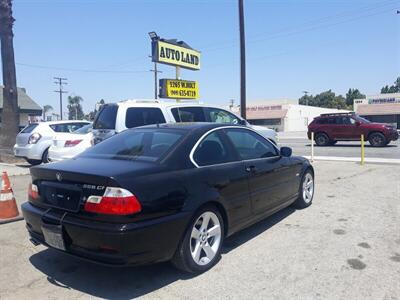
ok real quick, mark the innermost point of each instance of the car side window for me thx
(140, 116)
(217, 115)
(188, 114)
(213, 150)
(250, 145)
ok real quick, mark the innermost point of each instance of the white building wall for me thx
(299, 116)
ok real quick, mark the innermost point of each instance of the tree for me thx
(327, 99)
(74, 106)
(92, 114)
(351, 95)
(10, 112)
(46, 109)
(392, 89)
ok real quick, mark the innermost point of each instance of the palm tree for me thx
(75, 108)
(10, 113)
(46, 109)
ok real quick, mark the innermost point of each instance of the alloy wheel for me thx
(308, 188)
(205, 238)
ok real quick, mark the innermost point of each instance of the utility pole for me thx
(10, 111)
(60, 81)
(231, 104)
(155, 79)
(306, 96)
(242, 62)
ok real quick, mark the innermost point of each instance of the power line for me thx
(77, 70)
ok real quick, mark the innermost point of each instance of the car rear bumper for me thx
(110, 243)
(30, 151)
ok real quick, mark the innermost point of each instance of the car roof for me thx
(63, 122)
(161, 103)
(191, 126)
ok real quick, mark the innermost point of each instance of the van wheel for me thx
(321, 139)
(377, 139)
(200, 248)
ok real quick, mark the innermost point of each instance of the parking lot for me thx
(345, 246)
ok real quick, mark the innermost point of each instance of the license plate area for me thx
(60, 195)
(53, 236)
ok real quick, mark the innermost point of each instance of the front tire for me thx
(200, 248)
(377, 139)
(306, 190)
(322, 139)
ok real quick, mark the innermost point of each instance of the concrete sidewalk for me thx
(14, 170)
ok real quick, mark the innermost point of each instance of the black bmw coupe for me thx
(164, 192)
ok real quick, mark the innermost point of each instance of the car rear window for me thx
(84, 130)
(106, 117)
(29, 128)
(67, 127)
(140, 116)
(136, 144)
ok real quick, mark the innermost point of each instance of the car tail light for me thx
(115, 201)
(72, 143)
(34, 138)
(33, 191)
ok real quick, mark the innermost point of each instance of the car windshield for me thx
(361, 119)
(136, 144)
(84, 130)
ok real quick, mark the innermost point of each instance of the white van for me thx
(117, 117)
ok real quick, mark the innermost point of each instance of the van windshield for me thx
(106, 117)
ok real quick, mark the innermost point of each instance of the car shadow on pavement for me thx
(68, 272)
(351, 146)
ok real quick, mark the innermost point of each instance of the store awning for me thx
(378, 109)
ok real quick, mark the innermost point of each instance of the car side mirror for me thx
(242, 122)
(358, 123)
(286, 151)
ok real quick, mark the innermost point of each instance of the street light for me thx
(153, 35)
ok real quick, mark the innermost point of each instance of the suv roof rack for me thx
(338, 114)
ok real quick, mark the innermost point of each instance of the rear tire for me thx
(322, 139)
(306, 190)
(45, 156)
(34, 162)
(200, 248)
(377, 139)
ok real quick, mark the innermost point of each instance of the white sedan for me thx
(68, 145)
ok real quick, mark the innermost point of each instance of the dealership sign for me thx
(178, 89)
(176, 54)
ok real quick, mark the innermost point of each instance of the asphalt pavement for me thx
(346, 245)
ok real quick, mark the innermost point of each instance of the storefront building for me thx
(382, 108)
(284, 115)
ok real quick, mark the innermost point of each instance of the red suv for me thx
(330, 128)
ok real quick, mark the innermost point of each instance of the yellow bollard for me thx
(362, 150)
(312, 146)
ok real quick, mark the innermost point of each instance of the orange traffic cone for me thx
(8, 206)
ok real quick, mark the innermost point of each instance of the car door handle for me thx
(251, 169)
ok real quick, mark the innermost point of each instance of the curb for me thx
(357, 159)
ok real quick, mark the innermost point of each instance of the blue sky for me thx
(102, 46)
